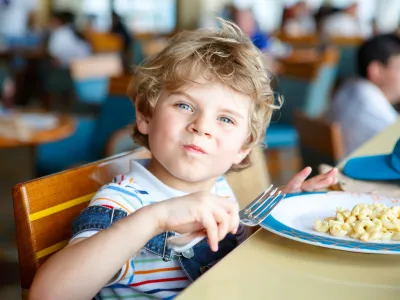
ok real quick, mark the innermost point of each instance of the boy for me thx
(202, 104)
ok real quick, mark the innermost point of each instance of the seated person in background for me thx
(14, 16)
(363, 106)
(118, 27)
(345, 23)
(65, 42)
(299, 21)
(7, 91)
(202, 104)
(246, 21)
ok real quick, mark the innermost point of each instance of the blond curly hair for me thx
(224, 55)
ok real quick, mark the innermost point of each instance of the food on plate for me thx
(364, 222)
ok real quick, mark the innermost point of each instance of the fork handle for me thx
(183, 242)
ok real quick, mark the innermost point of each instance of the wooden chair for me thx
(298, 41)
(320, 140)
(103, 42)
(44, 208)
(348, 47)
(306, 83)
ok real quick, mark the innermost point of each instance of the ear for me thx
(241, 155)
(142, 121)
(374, 71)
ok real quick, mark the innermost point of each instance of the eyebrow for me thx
(227, 111)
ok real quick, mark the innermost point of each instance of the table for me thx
(267, 266)
(65, 127)
(17, 158)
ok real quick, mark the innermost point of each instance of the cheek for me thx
(232, 142)
(164, 126)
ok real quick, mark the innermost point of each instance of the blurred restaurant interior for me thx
(65, 68)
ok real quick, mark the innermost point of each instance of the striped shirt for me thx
(146, 275)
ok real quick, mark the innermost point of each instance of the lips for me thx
(194, 149)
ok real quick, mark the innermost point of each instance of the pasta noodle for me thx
(364, 222)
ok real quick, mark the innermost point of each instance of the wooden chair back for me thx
(320, 141)
(306, 83)
(44, 209)
(103, 42)
(348, 47)
(306, 63)
(308, 40)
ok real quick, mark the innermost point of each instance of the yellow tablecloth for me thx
(268, 266)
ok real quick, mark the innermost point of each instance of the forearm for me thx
(81, 270)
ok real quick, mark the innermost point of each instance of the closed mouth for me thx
(194, 149)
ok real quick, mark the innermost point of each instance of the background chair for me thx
(92, 77)
(89, 141)
(348, 47)
(320, 141)
(44, 208)
(305, 83)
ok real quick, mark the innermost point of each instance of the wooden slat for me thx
(59, 222)
(306, 63)
(346, 41)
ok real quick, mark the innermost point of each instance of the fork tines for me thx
(261, 207)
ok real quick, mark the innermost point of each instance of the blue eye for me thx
(226, 120)
(184, 106)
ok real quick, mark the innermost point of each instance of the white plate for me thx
(295, 215)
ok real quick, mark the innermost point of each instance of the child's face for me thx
(198, 133)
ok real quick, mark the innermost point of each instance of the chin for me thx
(198, 174)
(191, 176)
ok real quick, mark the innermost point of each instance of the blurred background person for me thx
(298, 20)
(14, 15)
(346, 23)
(66, 43)
(118, 27)
(363, 106)
(245, 19)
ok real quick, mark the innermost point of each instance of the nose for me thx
(201, 125)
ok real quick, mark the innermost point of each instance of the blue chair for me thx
(137, 52)
(304, 87)
(347, 64)
(280, 136)
(88, 143)
(309, 95)
(348, 47)
(92, 91)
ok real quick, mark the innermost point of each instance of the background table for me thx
(17, 158)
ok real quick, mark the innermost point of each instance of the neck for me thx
(387, 95)
(168, 179)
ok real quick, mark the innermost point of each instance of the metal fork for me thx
(252, 215)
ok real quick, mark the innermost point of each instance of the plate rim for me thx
(269, 225)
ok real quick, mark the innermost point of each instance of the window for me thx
(154, 16)
(150, 16)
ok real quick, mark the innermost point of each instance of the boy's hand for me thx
(299, 183)
(199, 211)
